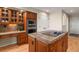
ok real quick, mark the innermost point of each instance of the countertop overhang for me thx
(13, 32)
(44, 38)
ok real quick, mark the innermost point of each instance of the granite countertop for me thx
(45, 38)
(13, 32)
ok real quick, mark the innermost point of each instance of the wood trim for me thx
(25, 21)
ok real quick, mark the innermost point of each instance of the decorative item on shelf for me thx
(20, 27)
(13, 20)
(4, 20)
(3, 28)
(13, 13)
(4, 12)
(21, 17)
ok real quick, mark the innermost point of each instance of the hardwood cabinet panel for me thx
(22, 38)
(41, 47)
(31, 15)
(59, 47)
(4, 36)
(32, 44)
(52, 47)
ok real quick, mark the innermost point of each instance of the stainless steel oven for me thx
(31, 26)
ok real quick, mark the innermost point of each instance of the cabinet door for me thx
(52, 47)
(31, 15)
(28, 15)
(59, 47)
(31, 42)
(41, 46)
(35, 16)
(22, 38)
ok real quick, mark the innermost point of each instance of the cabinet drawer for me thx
(4, 36)
(22, 38)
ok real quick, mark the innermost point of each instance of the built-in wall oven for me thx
(31, 26)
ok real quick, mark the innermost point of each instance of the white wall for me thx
(55, 20)
(42, 21)
(65, 22)
(58, 20)
(74, 24)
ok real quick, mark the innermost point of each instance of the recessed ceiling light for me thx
(71, 10)
(47, 10)
(21, 10)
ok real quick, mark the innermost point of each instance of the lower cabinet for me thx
(59, 45)
(53, 47)
(41, 47)
(21, 38)
(32, 44)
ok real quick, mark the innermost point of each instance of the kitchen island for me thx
(48, 41)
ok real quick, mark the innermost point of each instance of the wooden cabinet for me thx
(7, 36)
(9, 18)
(4, 36)
(31, 15)
(21, 38)
(41, 47)
(32, 44)
(53, 47)
(60, 45)
(4, 15)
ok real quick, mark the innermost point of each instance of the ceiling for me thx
(69, 10)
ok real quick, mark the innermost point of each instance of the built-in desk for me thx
(21, 36)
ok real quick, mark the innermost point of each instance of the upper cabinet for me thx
(11, 20)
(31, 15)
(15, 20)
(4, 15)
(20, 17)
(13, 15)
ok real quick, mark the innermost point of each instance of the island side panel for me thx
(32, 44)
(41, 46)
(60, 45)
